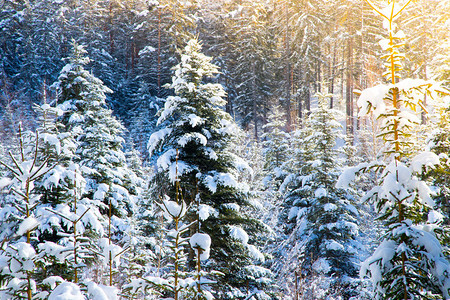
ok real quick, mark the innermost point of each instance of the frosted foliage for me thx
(381, 260)
(399, 182)
(67, 291)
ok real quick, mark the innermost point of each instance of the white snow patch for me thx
(255, 253)
(320, 192)
(67, 291)
(239, 234)
(373, 98)
(195, 120)
(203, 241)
(102, 189)
(330, 207)
(205, 211)
(110, 251)
(293, 212)
(101, 292)
(333, 245)
(321, 266)
(424, 159)
(4, 182)
(173, 209)
(435, 217)
(28, 224)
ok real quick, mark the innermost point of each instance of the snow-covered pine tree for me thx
(110, 183)
(408, 264)
(439, 143)
(194, 124)
(64, 224)
(17, 253)
(275, 142)
(320, 220)
(67, 223)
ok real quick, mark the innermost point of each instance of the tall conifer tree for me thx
(192, 146)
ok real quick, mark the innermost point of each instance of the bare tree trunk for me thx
(349, 89)
(254, 108)
(288, 72)
(332, 66)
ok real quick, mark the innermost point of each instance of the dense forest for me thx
(234, 149)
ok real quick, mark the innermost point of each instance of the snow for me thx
(333, 245)
(373, 99)
(67, 68)
(232, 206)
(156, 138)
(293, 212)
(424, 160)
(102, 292)
(255, 253)
(54, 250)
(435, 217)
(205, 211)
(110, 250)
(52, 281)
(25, 251)
(67, 291)
(378, 260)
(4, 182)
(192, 136)
(52, 140)
(147, 49)
(321, 266)
(28, 224)
(320, 192)
(165, 160)
(239, 234)
(349, 174)
(195, 120)
(203, 241)
(101, 191)
(173, 209)
(329, 207)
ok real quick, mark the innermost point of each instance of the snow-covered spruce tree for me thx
(173, 280)
(66, 222)
(439, 143)
(320, 219)
(17, 253)
(110, 183)
(194, 124)
(276, 145)
(64, 225)
(408, 264)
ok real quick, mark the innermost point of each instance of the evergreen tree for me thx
(98, 135)
(408, 264)
(320, 220)
(276, 147)
(192, 146)
(111, 185)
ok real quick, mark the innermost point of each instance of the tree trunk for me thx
(288, 72)
(349, 89)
